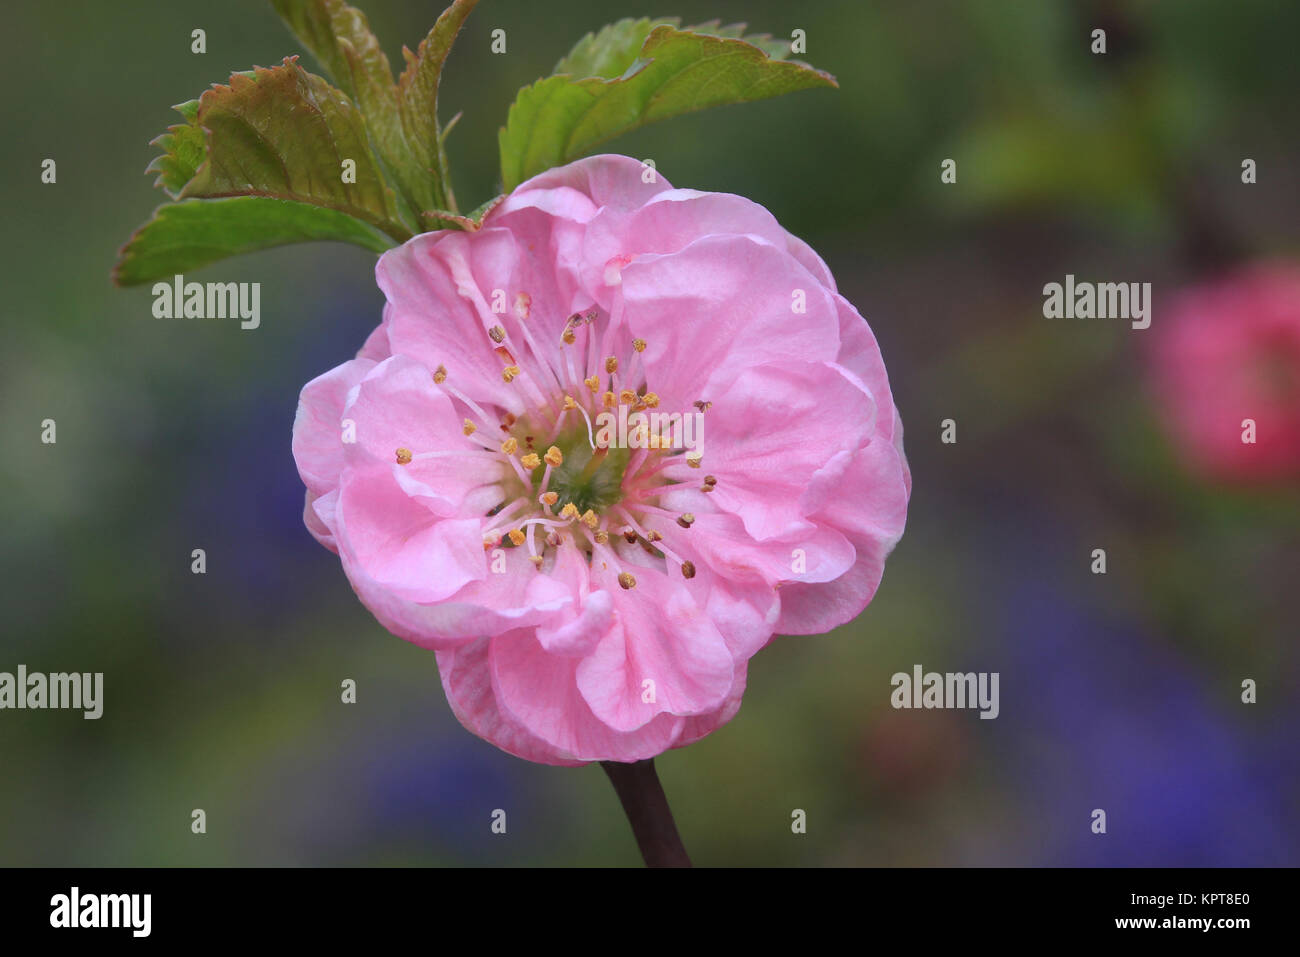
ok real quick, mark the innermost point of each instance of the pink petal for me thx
(317, 426)
(397, 405)
(718, 307)
(518, 598)
(766, 437)
(660, 635)
(400, 545)
(540, 692)
(467, 682)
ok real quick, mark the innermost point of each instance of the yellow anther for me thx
(403, 456)
(693, 459)
(654, 536)
(469, 428)
(510, 445)
(550, 498)
(509, 373)
(626, 580)
(627, 397)
(651, 399)
(570, 402)
(440, 375)
(516, 535)
(554, 457)
(609, 400)
(685, 520)
(590, 518)
(593, 384)
(638, 345)
(602, 537)
(497, 334)
(688, 569)
(611, 364)
(568, 336)
(570, 511)
(536, 560)
(531, 461)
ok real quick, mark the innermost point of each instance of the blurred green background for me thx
(1119, 691)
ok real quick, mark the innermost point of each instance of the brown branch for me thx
(646, 806)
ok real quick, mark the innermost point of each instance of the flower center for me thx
(590, 478)
(570, 489)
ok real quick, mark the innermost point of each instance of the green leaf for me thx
(471, 222)
(401, 117)
(260, 162)
(560, 118)
(339, 37)
(186, 235)
(483, 209)
(183, 146)
(776, 49)
(610, 51)
(417, 96)
(285, 134)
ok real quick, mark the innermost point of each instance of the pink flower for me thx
(1228, 352)
(602, 604)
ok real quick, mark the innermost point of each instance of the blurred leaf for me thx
(285, 133)
(1013, 372)
(1035, 159)
(186, 235)
(562, 117)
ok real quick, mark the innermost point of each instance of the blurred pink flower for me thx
(1228, 351)
(603, 604)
